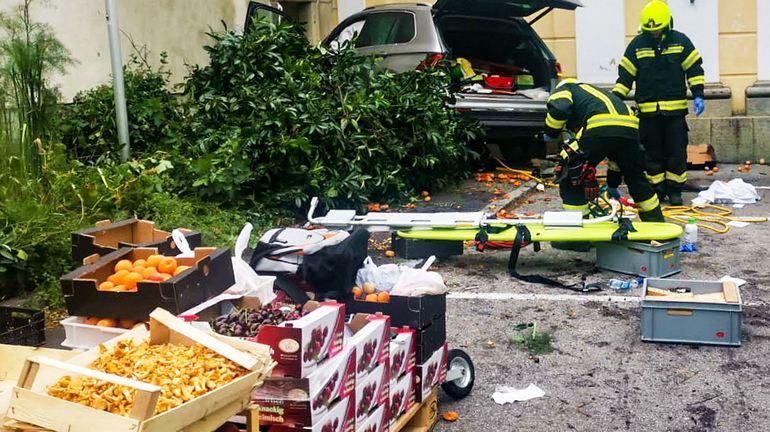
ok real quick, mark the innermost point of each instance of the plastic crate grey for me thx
(640, 259)
(692, 322)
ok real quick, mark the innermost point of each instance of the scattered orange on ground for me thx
(427, 199)
(715, 169)
(389, 253)
(425, 193)
(450, 416)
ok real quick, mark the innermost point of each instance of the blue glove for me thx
(698, 106)
(614, 193)
(548, 138)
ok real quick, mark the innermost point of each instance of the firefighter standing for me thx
(661, 60)
(608, 130)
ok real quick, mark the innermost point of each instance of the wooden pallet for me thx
(421, 417)
(31, 404)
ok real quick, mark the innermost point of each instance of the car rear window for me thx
(386, 28)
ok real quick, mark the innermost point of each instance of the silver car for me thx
(491, 36)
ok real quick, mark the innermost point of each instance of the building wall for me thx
(177, 27)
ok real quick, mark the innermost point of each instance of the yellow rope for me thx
(505, 168)
(711, 217)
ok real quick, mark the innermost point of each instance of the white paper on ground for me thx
(736, 281)
(738, 205)
(505, 394)
(738, 224)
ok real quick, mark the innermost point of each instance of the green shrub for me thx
(277, 120)
(88, 127)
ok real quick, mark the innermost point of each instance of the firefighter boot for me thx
(674, 193)
(654, 215)
(660, 190)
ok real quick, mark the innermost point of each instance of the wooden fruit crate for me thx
(421, 417)
(31, 404)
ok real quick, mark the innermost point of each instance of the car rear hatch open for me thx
(501, 8)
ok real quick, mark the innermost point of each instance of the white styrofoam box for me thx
(82, 336)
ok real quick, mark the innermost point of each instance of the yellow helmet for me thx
(656, 16)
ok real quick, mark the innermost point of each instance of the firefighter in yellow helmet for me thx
(662, 62)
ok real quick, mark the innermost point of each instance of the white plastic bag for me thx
(382, 277)
(418, 282)
(247, 281)
(181, 244)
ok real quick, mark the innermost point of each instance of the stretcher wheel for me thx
(461, 386)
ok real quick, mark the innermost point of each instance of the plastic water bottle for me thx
(690, 236)
(623, 285)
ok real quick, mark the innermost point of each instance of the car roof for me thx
(401, 6)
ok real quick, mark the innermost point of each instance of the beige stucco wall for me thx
(177, 27)
(738, 48)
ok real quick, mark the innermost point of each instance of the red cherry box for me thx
(303, 402)
(403, 345)
(340, 418)
(371, 340)
(402, 397)
(431, 373)
(299, 345)
(377, 421)
(372, 391)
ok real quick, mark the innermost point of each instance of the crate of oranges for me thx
(130, 283)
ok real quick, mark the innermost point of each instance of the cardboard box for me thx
(402, 397)
(378, 421)
(210, 275)
(372, 391)
(371, 340)
(300, 345)
(303, 402)
(700, 155)
(412, 312)
(402, 352)
(431, 373)
(340, 418)
(108, 237)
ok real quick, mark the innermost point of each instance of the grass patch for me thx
(530, 339)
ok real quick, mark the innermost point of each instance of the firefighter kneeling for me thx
(608, 129)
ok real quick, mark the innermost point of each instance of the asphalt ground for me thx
(601, 376)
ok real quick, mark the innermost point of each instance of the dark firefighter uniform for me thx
(608, 130)
(662, 68)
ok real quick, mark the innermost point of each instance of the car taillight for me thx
(557, 67)
(430, 61)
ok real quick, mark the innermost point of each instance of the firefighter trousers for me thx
(627, 154)
(664, 139)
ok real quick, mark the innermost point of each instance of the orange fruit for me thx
(425, 193)
(138, 269)
(140, 263)
(119, 288)
(126, 324)
(357, 293)
(124, 265)
(148, 271)
(180, 269)
(165, 276)
(371, 298)
(131, 280)
(156, 277)
(106, 286)
(715, 169)
(167, 265)
(118, 277)
(91, 320)
(154, 260)
(389, 253)
(427, 199)
(383, 297)
(106, 322)
(369, 288)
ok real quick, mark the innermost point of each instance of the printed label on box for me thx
(372, 391)
(402, 353)
(432, 372)
(340, 418)
(401, 396)
(299, 345)
(371, 339)
(377, 421)
(303, 401)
